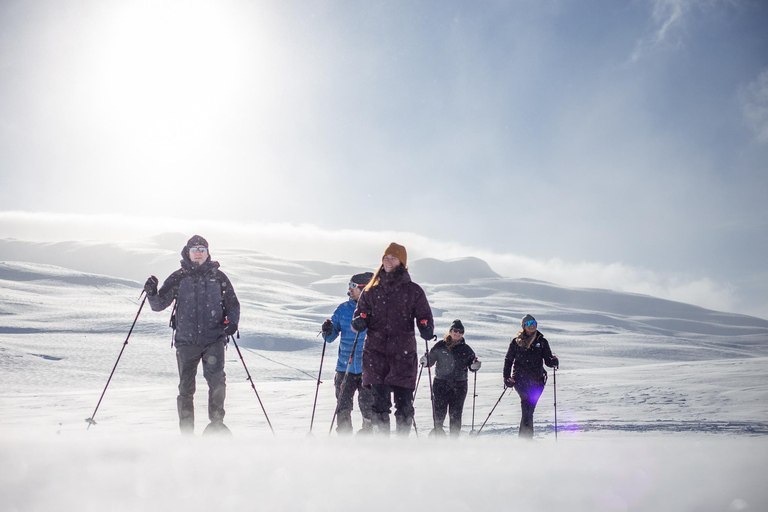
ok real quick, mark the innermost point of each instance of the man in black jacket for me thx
(206, 313)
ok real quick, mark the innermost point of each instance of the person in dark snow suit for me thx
(523, 370)
(207, 312)
(339, 323)
(452, 358)
(388, 307)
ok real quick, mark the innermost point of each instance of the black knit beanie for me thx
(363, 278)
(457, 325)
(197, 240)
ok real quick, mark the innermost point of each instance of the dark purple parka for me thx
(393, 306)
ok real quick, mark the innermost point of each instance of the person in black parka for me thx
(207, 312)
(524, 370)
(452, 358)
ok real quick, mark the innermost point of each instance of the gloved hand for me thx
(509, 382)
(423, 361)
(150, 287)
(555, 362)
(475, 365)
(230, 328)
(327, 328)
(360, 323)
(425, 330)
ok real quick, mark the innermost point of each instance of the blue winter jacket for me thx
(341, 319)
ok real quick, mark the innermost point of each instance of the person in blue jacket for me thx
(339, 323)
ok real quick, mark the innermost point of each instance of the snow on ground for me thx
(660, 405)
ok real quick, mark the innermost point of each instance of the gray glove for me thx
(475, 365)
(423, 360)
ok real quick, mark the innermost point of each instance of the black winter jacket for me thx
(204, 299)
(525, 364)
(451, 365)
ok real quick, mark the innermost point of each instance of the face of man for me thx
(198, 254)
(355, 291)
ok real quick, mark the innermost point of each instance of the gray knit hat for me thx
(527, 318)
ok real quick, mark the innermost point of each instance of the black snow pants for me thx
(530, 391)
(449, 398)
(188, 358)
(382, 406)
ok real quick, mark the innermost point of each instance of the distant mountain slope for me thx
(24, 271)
(456, 271)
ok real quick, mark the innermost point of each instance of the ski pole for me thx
(90, 420)
(494, 408)
(554, 386)
(317, 389)
(417, 383)
(474, 395)
(253, 385)
(414, 400)
(343, 382)
(431, 392)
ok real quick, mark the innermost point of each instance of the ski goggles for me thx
(198, 249)
(530, 323)
(355, 285)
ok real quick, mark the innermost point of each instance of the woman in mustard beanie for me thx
(388, 308)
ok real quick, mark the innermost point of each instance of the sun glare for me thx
(175, 66)
(166, 80)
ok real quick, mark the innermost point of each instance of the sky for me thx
(593, 143)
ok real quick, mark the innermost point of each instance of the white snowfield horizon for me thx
(661, 405)
(28, 233)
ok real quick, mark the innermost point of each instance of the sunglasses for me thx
(460, 331)
(355, 285)
(198, 249)
(530, 323)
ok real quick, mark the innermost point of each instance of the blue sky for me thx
(579, 136)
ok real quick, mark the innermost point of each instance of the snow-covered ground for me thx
(660, 405)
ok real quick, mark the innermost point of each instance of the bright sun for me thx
(164, 80)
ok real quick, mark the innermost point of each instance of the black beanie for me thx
(363, 278)
(457, 325)
(197, 240)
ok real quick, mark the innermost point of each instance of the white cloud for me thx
(667, 14)
(666, 18)
(754, 99)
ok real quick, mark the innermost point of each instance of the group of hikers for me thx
(378, 355)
